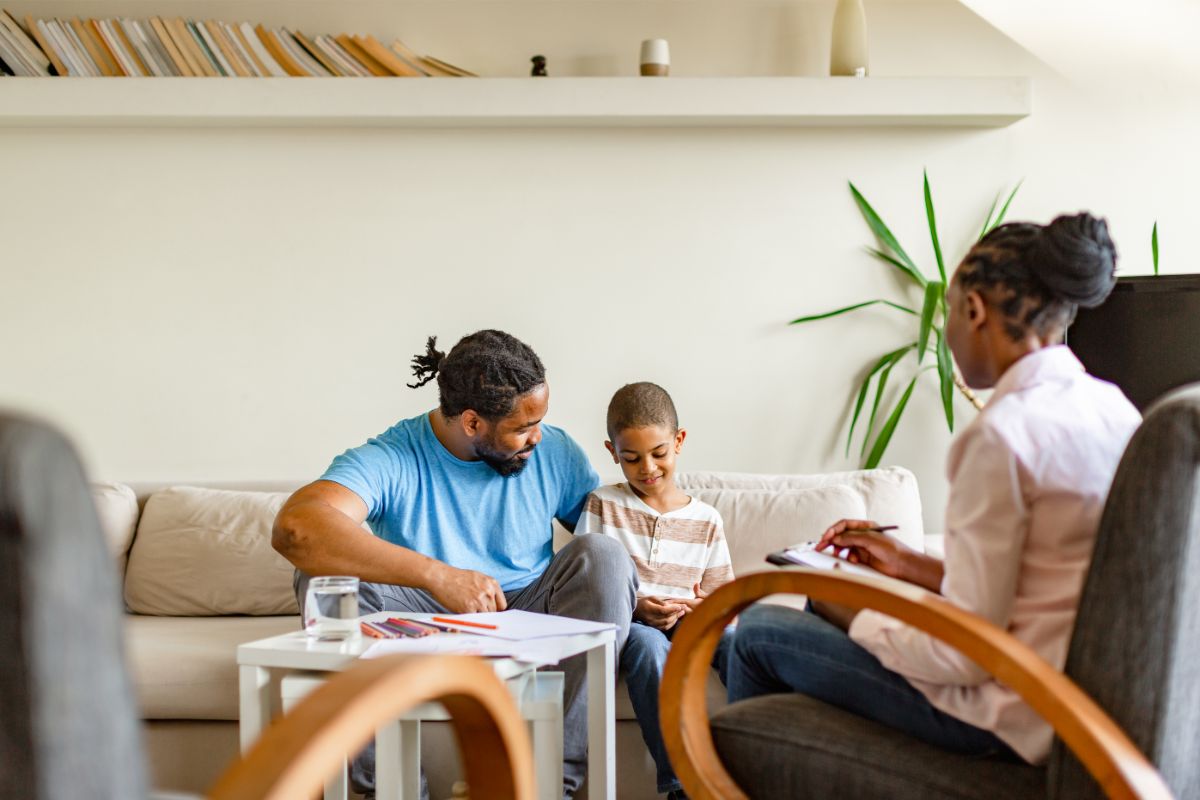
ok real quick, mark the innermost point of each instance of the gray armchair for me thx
(1131, 683)
(68, 725)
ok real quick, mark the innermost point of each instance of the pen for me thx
(881, 528)
(465, 623)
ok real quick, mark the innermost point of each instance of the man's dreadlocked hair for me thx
(641, 405)
(1037, 275)
(485, 372)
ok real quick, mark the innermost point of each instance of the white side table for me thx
(265, 664)
(538, 696)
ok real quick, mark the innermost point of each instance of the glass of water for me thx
(331, 607)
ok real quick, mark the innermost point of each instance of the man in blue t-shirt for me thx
(461, 502)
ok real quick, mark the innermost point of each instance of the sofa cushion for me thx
(117, 507)
(889, 494)
(790, 745)
(186, 667)
(759, 522)
(201, 552)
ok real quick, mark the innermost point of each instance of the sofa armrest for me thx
(1103, 748)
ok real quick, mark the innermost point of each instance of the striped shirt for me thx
(673, 551)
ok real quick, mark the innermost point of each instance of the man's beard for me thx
(507, 466)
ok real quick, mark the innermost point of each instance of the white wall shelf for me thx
(513, 102)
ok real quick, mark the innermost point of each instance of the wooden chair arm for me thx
(1103, 748)
(297, 753)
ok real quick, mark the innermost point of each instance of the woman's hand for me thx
(889, 556)
(659, 612)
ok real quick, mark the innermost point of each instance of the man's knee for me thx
(601, 557)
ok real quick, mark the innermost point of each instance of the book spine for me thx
(341, 57)
(387, 58)
(58, 34)
(80, 39)
(361, 56)
(217, 33)
(257, 68)
(187, 48)
(317, 54)
(306, 62)
(113, 47)
(117, 29)
(42, 33)
(108, 64)
(167, 40)
(209, 59)
(277, 51)
(143, 44)
(272, 67)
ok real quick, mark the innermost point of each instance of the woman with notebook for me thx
(1028, 481)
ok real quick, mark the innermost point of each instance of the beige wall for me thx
(230, 304)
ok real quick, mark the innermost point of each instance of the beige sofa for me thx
(201, 577)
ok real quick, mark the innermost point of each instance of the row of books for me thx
(177, 47)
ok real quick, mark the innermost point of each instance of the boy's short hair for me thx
(641, 405)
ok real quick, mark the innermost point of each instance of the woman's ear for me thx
(680, 435)
(976, 310)
(612, 451)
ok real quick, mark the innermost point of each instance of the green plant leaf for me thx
(881, 231)
(916, 276)
(866, 385)
(889, 427)
(890, 361)
(933, 298)
(854, 307)
(987, 221)
(1154, 245)
(945, 366)
(933, 234)
(1004, 208)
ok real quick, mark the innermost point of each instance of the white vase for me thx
(848, 51)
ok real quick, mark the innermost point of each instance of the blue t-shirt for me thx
(464, 513)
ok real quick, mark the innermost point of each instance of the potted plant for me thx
(930, 322)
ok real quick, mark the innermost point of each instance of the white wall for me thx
(236, 304)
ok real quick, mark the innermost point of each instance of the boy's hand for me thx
(700, 595)
(659, 612)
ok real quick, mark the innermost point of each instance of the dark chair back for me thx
(69, 725)
(1136, 644)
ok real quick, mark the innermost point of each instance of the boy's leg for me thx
(778, 649)
(591, 578)
(642, 661)
(374, 597)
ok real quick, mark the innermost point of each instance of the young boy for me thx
(676, 541)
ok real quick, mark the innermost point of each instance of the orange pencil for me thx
(464, 623)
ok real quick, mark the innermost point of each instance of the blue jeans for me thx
(780, 649)
(642, 661)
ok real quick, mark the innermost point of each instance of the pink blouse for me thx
(1028, 480)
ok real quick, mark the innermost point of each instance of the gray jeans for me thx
(591, 578)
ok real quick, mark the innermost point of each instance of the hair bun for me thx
(1074, 257)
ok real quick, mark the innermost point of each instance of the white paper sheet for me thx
(538, 652)
(805, 555)
(525, 625)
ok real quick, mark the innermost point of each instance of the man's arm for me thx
(319, 530)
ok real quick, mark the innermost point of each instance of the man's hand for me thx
(465, 591)
(889, 556)
(659, 612)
